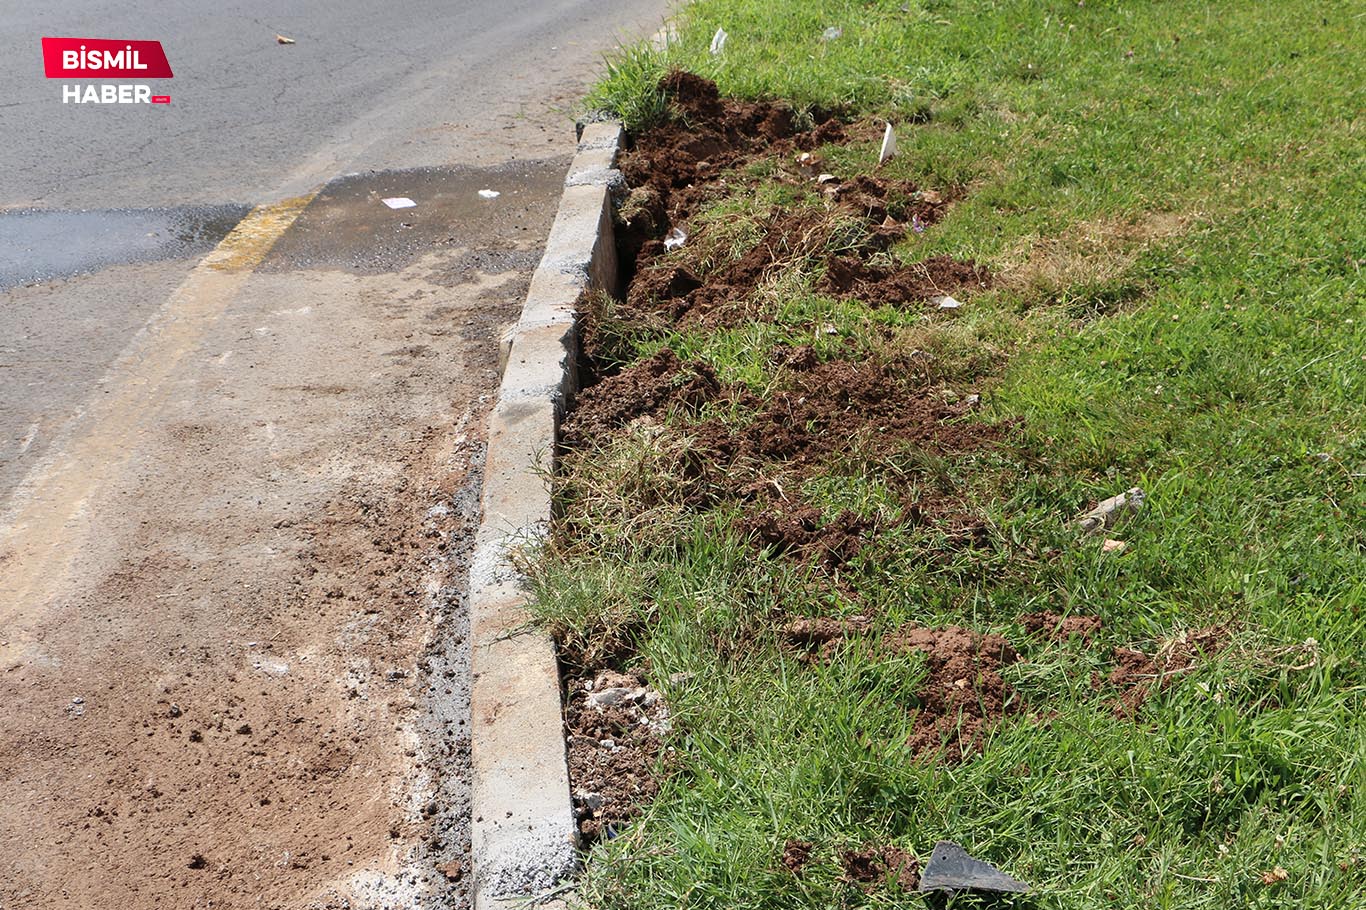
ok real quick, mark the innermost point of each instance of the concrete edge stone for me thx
(523, 836)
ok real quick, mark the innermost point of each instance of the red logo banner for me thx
(104, 58)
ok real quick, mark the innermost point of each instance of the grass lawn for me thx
(1170, 199)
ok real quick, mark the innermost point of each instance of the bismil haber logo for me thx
(106, 58)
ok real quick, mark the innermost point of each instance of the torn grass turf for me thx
(1170, 204)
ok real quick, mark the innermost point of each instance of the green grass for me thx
(1179, 233)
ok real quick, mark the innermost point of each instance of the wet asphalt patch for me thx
(38, 245)
(348, 225)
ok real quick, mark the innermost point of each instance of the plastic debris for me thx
(1109, 512)
(399, 202)
(827, 178)
(718, 41)
(1113, 546)
(888, 145)
(675, 240)
(830, 34)
(281, 39)
(946, 303)
(489, 194)
(951, 868)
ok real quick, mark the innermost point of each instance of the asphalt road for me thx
(241, 416)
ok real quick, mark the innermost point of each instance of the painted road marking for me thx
(47, 517)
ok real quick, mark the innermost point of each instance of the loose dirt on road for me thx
(238, 677)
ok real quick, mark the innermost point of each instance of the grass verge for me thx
(1169, 200)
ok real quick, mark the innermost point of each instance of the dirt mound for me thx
(706, 135)
(1138, 675)
(647, 388)
(852, 277)
(963, 695)
(664, 289)
(1059, 628)
(806, 533)
(839, 404)
(616, 729)
(796, 854)
(871, 867)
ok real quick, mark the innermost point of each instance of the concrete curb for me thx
(523, 838)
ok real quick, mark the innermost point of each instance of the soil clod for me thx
(963, 695)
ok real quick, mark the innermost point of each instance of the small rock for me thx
(591, 801)
(1111, 511)
(614, 697)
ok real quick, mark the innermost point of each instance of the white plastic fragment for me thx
(489, 194)
(888, 145)
(399, 202)
(946, 303)
(718, 41)
(1109, 512)
(826, 178)
(830, 34)
(677, 237)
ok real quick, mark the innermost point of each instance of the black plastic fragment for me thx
(951, 868)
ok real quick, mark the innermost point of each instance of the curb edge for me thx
(523, 837)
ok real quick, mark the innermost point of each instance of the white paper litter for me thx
(490, 194)
(830, 34)
(675, 240)
(718, 41)
(947, 303)
(399, 202)
(888, 145)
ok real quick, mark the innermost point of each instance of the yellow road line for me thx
(48, 515)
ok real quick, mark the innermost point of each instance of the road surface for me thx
(241, 407)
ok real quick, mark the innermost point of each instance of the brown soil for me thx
(673, 169)
(708, 135)
(796, 854)
(612, 752)
(963, 696)
(832, 408)
(872, 867)
(849, 276)
(1059, 628)
(646, 389)
(1138, 675)
(762, 449)
(807, 533)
